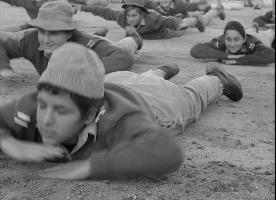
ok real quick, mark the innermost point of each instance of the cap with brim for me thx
(55, 16)
(137, 3)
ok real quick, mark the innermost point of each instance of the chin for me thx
(49, 141)
(233, 51)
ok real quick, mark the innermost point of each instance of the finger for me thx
(51, 153)
(70, 171)
(60, 172)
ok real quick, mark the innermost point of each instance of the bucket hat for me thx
(138, 3)
(55, 16)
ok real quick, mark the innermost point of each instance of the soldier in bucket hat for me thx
(53, 27)
(118, 125)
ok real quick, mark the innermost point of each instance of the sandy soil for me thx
(229, 150)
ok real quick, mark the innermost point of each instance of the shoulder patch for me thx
(21, 35)
(251, 46)
(90, 44)
(23, 116)
(20, 122)
(217, 44)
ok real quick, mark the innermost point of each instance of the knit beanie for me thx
(235, 25)
(77, 69)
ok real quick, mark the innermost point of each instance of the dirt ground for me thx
(229, 151)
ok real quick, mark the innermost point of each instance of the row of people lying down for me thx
(32, 6)
(163, 27)
(177, 8)
(155, 25)
(37, 43)
(99, 125)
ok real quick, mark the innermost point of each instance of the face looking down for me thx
(59, 120)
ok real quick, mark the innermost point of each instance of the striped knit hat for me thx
(77, 69)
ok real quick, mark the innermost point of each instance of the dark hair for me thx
(235, 25)
(83, 103)
(138, 9)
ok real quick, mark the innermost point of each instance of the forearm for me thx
(9, 48)
(4, 59)
(205, 51)
(263, 58)
(103, 12)
(149, 155)
(119, 60)
(4, 136)
(4, 133)
(113, 57)
(260, 21)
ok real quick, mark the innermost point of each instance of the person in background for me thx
(177, 8)
(53, 27)
(235, 47)
(266, 20)
(32, 9)
(32, 6)
(264, 27)
(100, 127)
(148, 23)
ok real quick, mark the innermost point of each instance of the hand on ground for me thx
(30, 151)
(75, 170)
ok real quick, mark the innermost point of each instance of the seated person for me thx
(148, 23)
(53, 27)
(235, 47)
(121, 126)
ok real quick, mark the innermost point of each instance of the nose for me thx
(232, 43)
(47, 38)
(48, 118)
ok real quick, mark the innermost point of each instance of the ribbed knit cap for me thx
(77, 69)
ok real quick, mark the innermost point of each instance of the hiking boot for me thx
(170, 70)
(231, 86)
(220, 11)
(200, 23)
(132, 32)
(101, 31)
